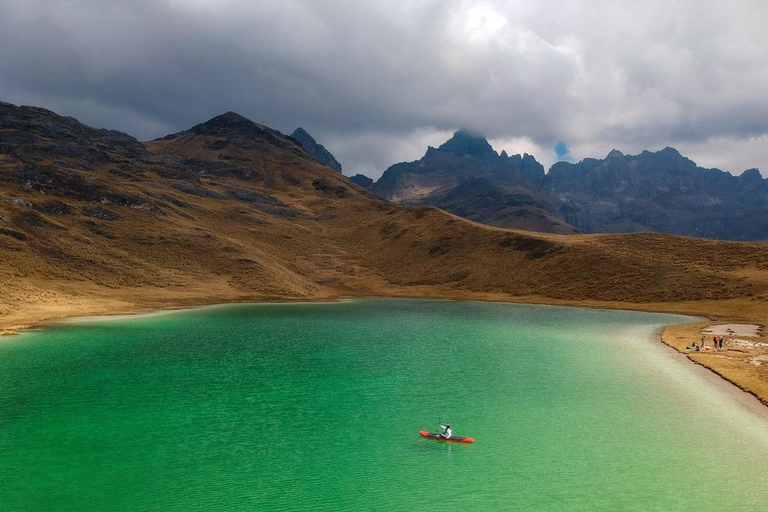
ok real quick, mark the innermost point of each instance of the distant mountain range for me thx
(658, 192)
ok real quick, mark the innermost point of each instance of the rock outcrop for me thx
(465, 176)
(362, 180)
(316, 150)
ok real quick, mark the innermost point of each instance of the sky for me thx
(377, 81)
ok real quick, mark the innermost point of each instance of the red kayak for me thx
(438, 437)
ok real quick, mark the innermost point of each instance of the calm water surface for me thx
(317, 407)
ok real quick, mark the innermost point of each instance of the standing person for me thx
(721, 342)
(447, 432)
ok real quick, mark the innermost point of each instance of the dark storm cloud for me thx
(376, 81)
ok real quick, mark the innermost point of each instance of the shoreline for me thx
(671, 337)
(52, 322)
(130, 310)
(748, 400)
(133, 312)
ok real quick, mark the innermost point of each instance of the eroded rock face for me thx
(231, 129)
(465, 176)
(316, 150)
(661, 192)
(60, 159)
(465, 143)
(464, 157)
(40, 132)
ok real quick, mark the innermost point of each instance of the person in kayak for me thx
(446, 433)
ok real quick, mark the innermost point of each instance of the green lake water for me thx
(318, 407)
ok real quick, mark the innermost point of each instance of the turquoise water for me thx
(317, 407)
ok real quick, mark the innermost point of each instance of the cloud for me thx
(372, 81)
(521, 145)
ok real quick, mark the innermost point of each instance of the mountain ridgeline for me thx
(662, 192)
(465, 176)
(230, 210)
(658, 192)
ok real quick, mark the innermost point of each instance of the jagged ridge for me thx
(316, 150)
(658, 192)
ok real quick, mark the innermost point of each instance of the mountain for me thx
(94, 221)
(362, 180)
(316, 150)
(660, 192)
(465, 176)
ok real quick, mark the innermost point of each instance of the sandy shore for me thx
(749, 401)
(743, 360)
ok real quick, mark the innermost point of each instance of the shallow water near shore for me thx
(318, 407)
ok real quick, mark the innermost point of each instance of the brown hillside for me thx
(232, 210)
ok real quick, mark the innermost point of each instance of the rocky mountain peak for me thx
(467, 143)
(229, 120)
(301, 134)
(362, 180)
(614, 154)
(231, 130)
(318, 151)
(751, 176)
(670, 153)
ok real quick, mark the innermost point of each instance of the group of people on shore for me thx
(717, 343)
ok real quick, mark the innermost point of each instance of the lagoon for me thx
(318, 407)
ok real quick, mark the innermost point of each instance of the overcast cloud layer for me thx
(376, 81)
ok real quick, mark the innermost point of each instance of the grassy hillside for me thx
(232, 209)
